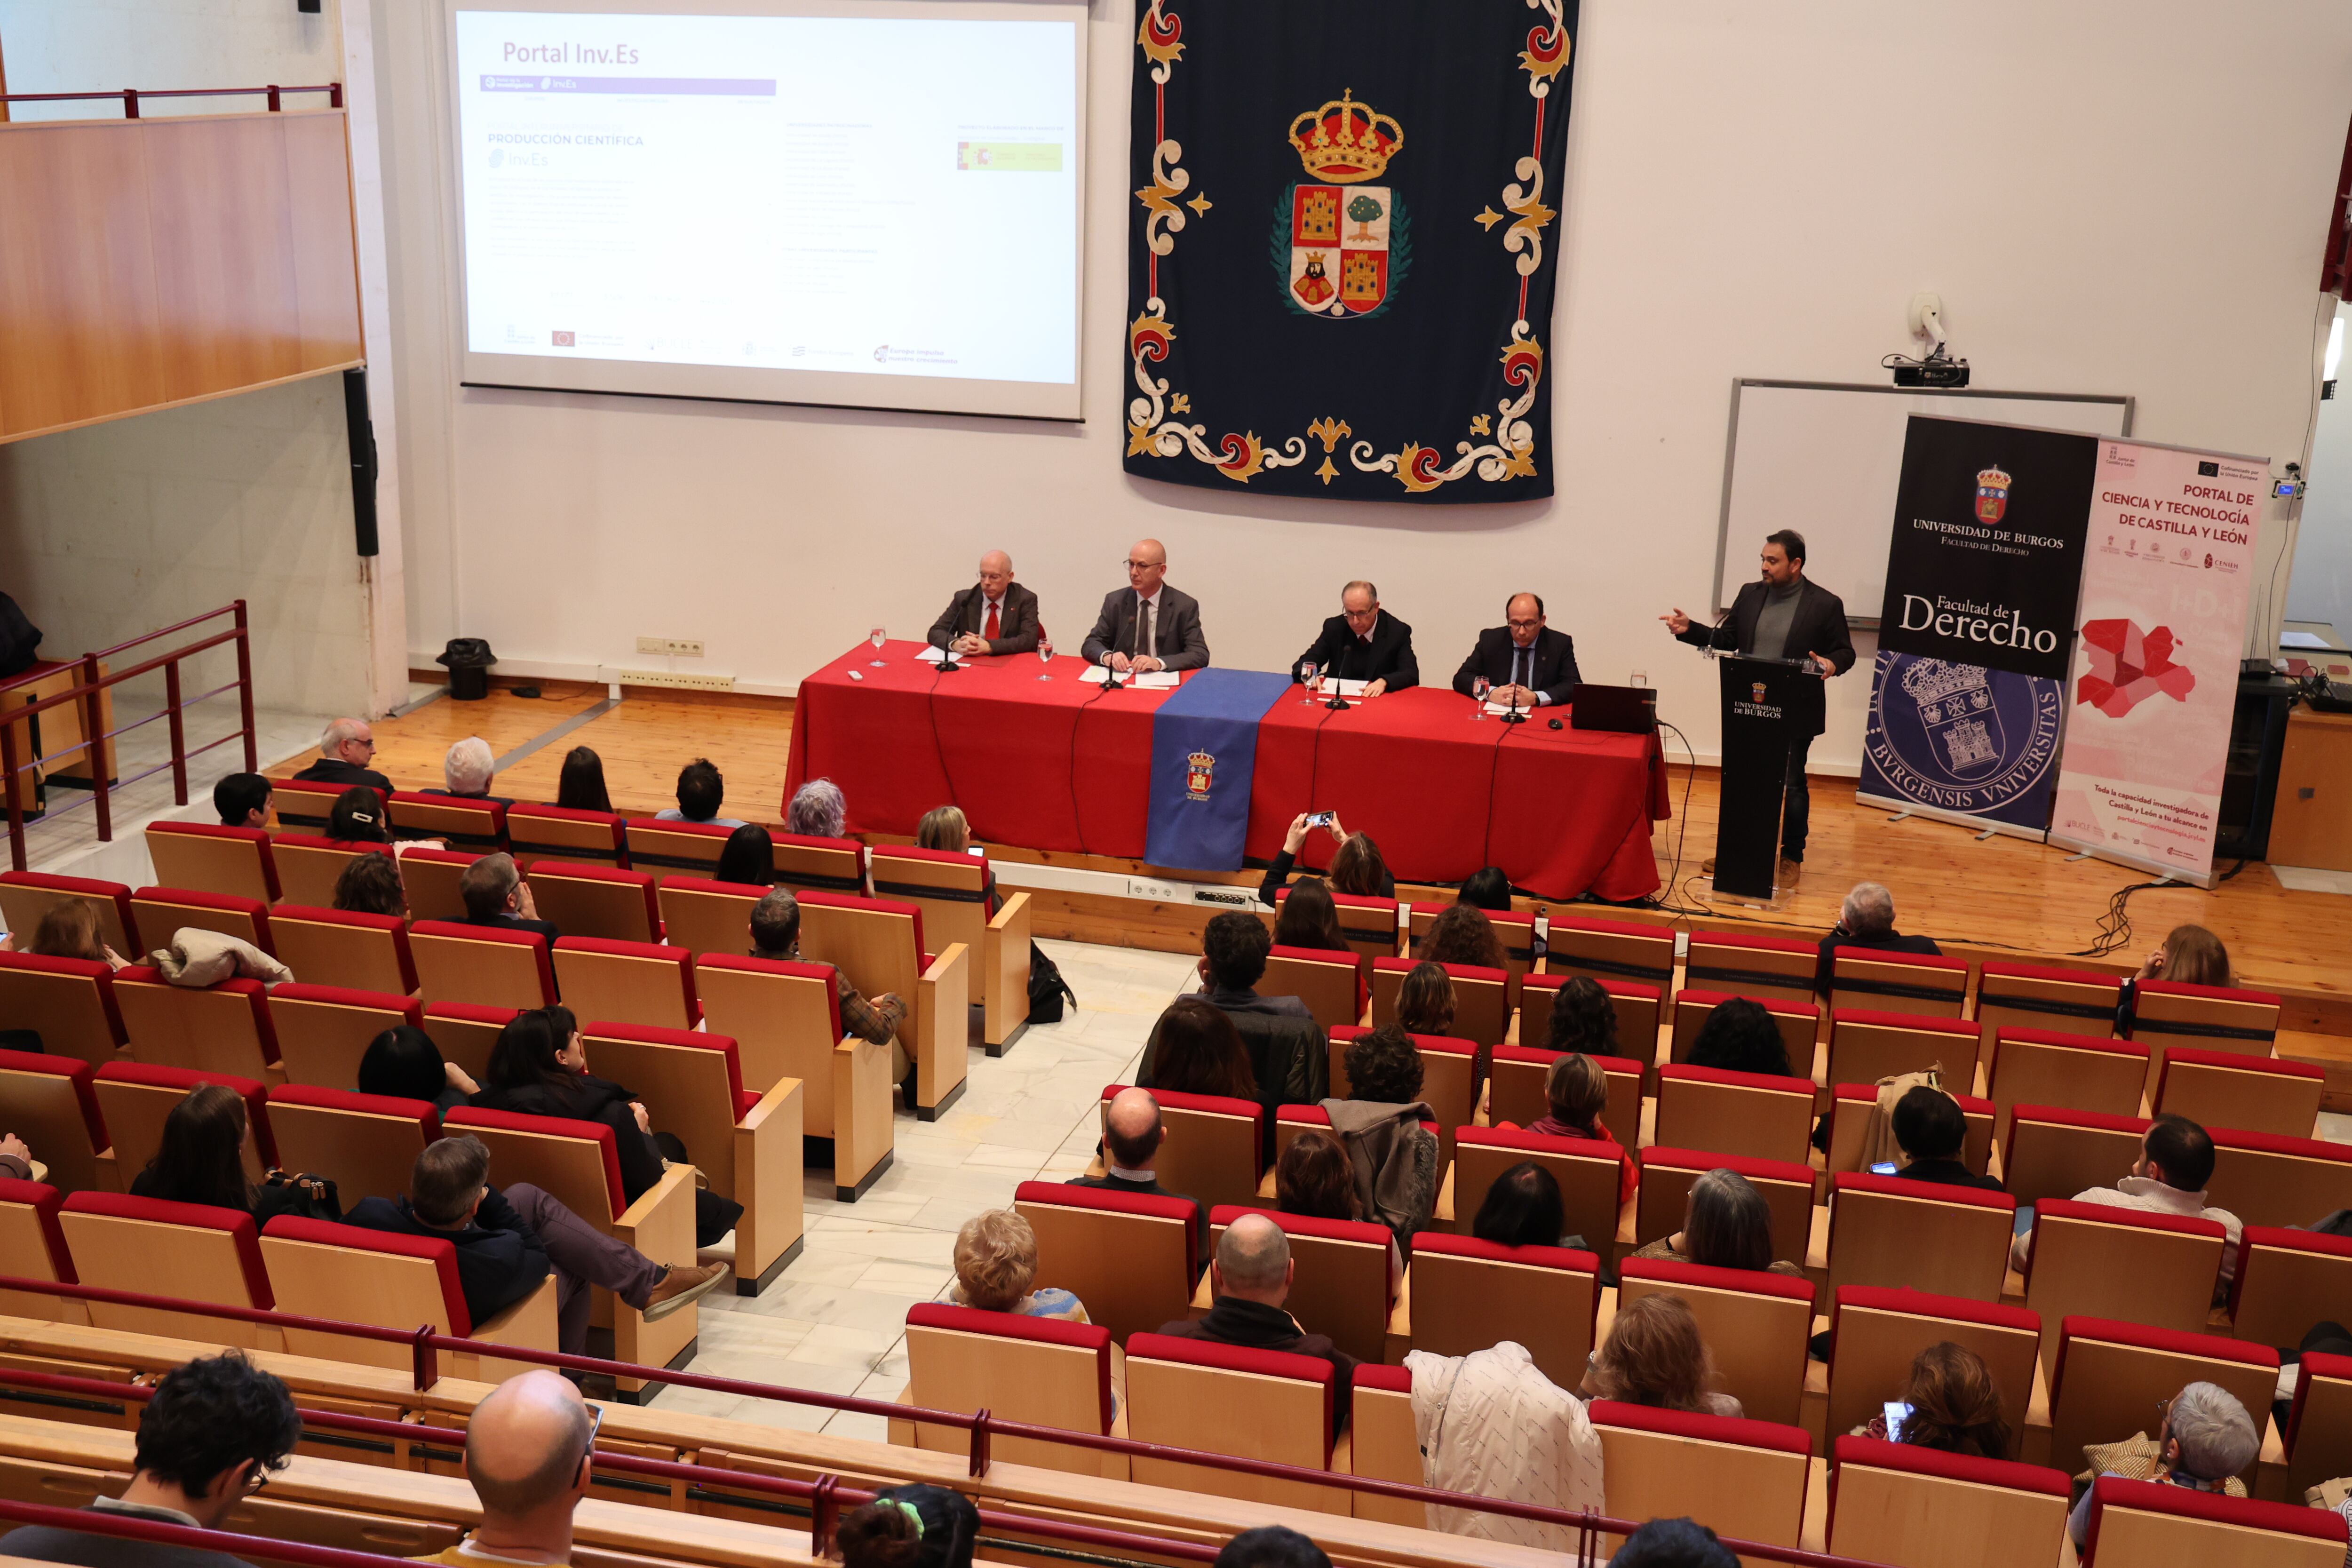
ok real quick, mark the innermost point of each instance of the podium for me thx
(1758, 704)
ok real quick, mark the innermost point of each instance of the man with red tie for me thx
(995, 614)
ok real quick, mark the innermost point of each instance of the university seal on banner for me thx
(1341, 247)
(1960, 737)
(1992, 493)
(1199, 769)
(1756, 692)
(1956, 708)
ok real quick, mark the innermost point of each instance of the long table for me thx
(1059, 763)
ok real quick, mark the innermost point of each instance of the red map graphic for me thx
(2129, 666)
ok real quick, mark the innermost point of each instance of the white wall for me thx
(2119, 197)
(2320, 586)
(104, 45)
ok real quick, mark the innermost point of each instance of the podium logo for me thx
(1756, 692)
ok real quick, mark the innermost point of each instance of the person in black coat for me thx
(497, 896)
(963, 625)
(345, 753)
(1362, 644)
(1931, 1128)
(1866, 919)
(1171, 639)
(1784, 614)
(1524, 657)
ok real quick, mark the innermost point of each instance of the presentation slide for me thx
(876, 209)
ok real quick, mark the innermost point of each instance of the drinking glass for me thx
(1045, 656)
(1306, 669)
(1478, 688)
(1641, 678)
(877, 636)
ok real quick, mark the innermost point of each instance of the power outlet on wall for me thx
(679, 647)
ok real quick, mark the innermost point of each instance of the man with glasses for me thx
(345, 753)
(995, 614)
(528, 1456)
(1148, 626)
(1525, 664)
(1360, 643)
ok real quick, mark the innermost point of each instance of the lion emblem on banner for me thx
(1341, 247)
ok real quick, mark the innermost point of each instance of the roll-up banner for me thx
(2167, 586)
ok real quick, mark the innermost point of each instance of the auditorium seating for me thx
(1664, 1198)
(161, 913)
(344, 948)
(2070, 1072)
(1893, 1502)
(1586, 1169)
(2032, 996)
(2095, 1260)
(2244, 1093)
(952, 891)
(1759, 1115)
(1742, 1479)
(361, 1276)
(2145, 1521)
(1946, 1241)
(537, 832)
(1448, 1064)
(627, 982)
(2265, 1179)
(704, 916)
(1250, 1404)
(223, 1028)
(2056, 1153)
(26, 897)
(746, 1143)
(489, 966)
(1516, 1089)
(1481, 1002)
(467, 1032)
(1851, 1106)
(365, 1143)
(1331, 984)
(596, 900)
(1514, 929)
(193, 1252)
(136, 1096)
(1461, 1295)
(1129, 1257)
(808, 863)
(1755, 1324)
(475, 828)
(1608, 950)
(1867, 1046)
(1036, 1369)
(1876, 1333)
(214, 859)
(669, 848)
(1869, 979)
(1340, 1278)
(324, 1031)
(1797, 1022)
(1290, 1121)
(308, 866)
(431, 879)
(34, 1249)
(2318, 1428)
(69, 1002)
(1382, 1444)
(2281, 1273)
(2110, 1377)
(576, 1162)
(786, 1022)
(2167, 1013)
(879, 944)
(1768, 968)
(1368, 925)
(50, 1102)
(1213, 1144)
(1636, 1003)
(303, 806)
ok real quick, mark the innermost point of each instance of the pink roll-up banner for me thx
(2167, 582)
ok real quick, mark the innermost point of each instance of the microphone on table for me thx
(1338, 704)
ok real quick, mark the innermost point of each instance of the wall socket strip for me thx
(669, 678)
(677, 647)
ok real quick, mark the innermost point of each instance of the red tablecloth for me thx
(1057, 764)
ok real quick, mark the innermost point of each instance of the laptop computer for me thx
(1630, 709)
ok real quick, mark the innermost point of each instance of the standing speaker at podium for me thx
(1784, 614)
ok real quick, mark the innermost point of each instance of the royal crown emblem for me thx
(1340, 246)
(1756, 692)
(1199, 769)
(1992, 493)
(1345, 141)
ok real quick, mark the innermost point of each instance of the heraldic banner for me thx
(1345, 245)
(1203, 756)
(2167, 587)
(1962, 742)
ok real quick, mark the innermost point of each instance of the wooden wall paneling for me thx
(220, 207)
(326, 257)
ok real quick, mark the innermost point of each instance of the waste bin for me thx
(468, 661)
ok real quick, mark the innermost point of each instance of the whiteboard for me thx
(1825, 460)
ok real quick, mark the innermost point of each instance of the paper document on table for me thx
(1344, 688)
(2302, 640)
(1158, 680)
(1506, 708)
(930, 655)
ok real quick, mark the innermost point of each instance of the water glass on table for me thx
(1479, 686)
(877, 636)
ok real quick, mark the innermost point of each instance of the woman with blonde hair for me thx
(996, 1271)
(2190, 955)
(69, 928)
(1654, 1356)
(943, 827)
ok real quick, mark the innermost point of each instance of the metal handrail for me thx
(426, 1345)
(128, 97)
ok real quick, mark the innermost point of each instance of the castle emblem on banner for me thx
(1199, 768)
(1341, 247)
(1992, 493)
(1956, 708)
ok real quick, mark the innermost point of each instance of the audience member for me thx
(1315, 1180)
(911, 1526)
(944, 829)
(1583, 1019)
(1492, 1425)
(1234, 949)
(15, 1158)
(1727, 1224)
(818, 810)
(1866, 919)
(1132, 1133)
(467, 770)
(2176, 1158)
(2204, 1441)
(1462, 934)
(371, 885)
(67, 929)
(358, 817)
(1195, 1049)
(200, 1160)
(1523, 1208)
(1249, 1279)
(996, 1271)
(509, 1241)
(1424, 1004)
(1309, 918)
(1488, 889)
(1739, 1035)
(2190, 955)
(1654, 1356)
(700, 793)
(530, 1448)
(749, 858)
(496, 895)
(776, 934)
(581, 786)
(1380, 1124)
(345, 753)
(1578, 1092)
(1674, 1543)
(1952, 1403)
(403, 1063)
(214, 1431)
(1271, 1546)
(1357, 868)
(1931, 1128)
(242, 801)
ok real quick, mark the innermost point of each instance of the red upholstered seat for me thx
(344, 947)
(534, 832)
(37, 1249)
(25, 895)
(439, 987)
(595, 1133)
(2280, 1271)
(1347, 959)
(476, 826)
(69, 1002)
(140, 1271)
(1797, 1019)
(50, 1102)
(1606, 949)
(588, 900)
(626, 980)
(2266, 1178)
(305, 805)
(1690, 1423)
(807, 860)
(1919, 1461)
(1662, 1198)
(1091, 1337)
(2244, 1092)
(177, 1082)
(1887, 1230)
(221, 1027)
(1932, 978)
(422, 1112)
(1740, 964)
(161, 911)
(821, 899)
(1155, 1205)
(2180, 1502)
(441, 1254)
(208, 855)
(1307, 1369)
(662, 848)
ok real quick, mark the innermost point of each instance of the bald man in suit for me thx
(1147, 625)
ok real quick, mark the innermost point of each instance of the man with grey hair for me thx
(1865, 920)
(496, 895)
(345, 753)
(995, 614)
(467, 770)
(1249, 1279)
(818, 810)
(2205, 1442)
(1360, 643)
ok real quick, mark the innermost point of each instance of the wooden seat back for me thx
(1368, 924)
(703, 916)
(1250, 1404)
(1867, 1046)
(809, 864)
(2054, 1153)
(1331, 984)
(581, 899)
(366, 1145)
(691, 1084)
(2281, 1272)
(1464, 1295)
(1759, 1115)
(219, 1028)
(192, 1252)
(1853, 1105)
(1741, 1479)
(489, 966)
(577, 1162)
(1128, 1257)
(1340, 1275)
(1586, 1169)
(324, 1031)
(1290, 1121)
(1946, 1241)
(466, 1033)
(308, 864)
(1662, 1200)
(26, 897)
(950, 890)
(1383, 1444)
(539, 832)
(1609, 950)
(472, 827)
(2095, 1260)
(2038, 998)
(50, 1102)
(2318, 1426)
(1755, 1325)
(35, 1247)
(1637, 1005)
(2110, 1376)
(1514, 929)
(160, 913)
(1870, 979)
(2166, 1012)
(1034, 1370)
(69, 1002)
(2072, 1072)
(1212, 1147)
(1797, 1022)
(214, 859)
(627, 982)
(2265, 1179)
(1516, 1089)
(1897, 1502)
(355, 1275)
(344, 948)
(1481, 998)
(2145, 1521)
(1448, 1070)
(2246, 1093)
(1736, 964)
(432, 879)
(304, 805)
(877, 942)
(136, 1098)
(1876, 1333)
(784, 1019)
(667, 849)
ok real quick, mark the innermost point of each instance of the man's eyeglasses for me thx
(1524, 626)
(1144, 565)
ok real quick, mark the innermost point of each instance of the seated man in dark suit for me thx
(995, 614)
(1523, 658)
(1931, 1128)
(344, 751)
(1866, 919)
(1147, 625)
(1132, 1133)
(496, 895)
(1248, 1282)
(1233, 950)
(1360, 643)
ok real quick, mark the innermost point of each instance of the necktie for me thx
(989, 630)
(1147, 629)
(1519, 667)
